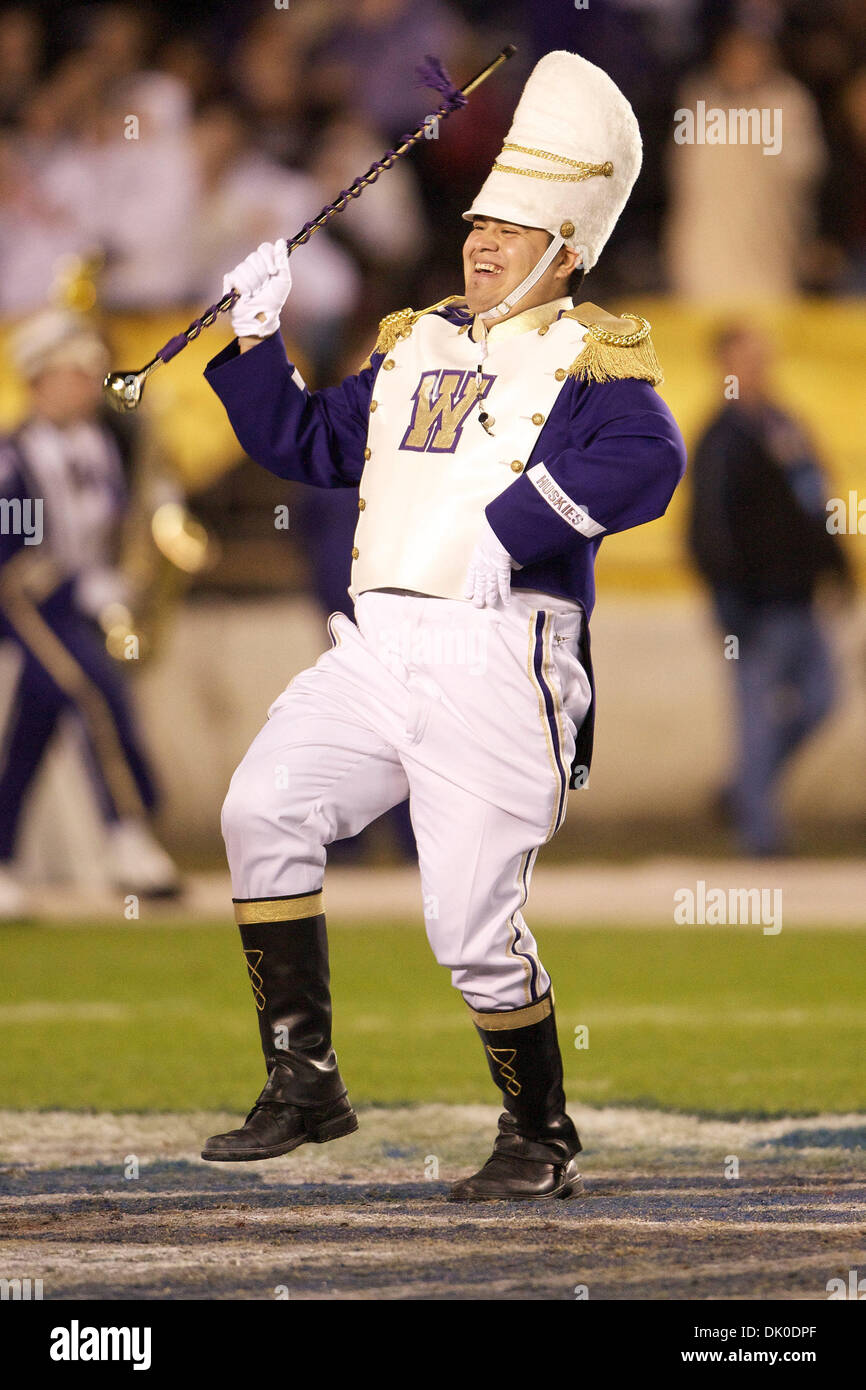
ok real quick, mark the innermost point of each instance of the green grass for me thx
(721, 1021)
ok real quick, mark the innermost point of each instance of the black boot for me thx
(304, 1099)
(534, 1153)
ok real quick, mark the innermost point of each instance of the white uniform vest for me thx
(431, 466)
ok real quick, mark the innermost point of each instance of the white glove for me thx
(488, 577)
(263, 281)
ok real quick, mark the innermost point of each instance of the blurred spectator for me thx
(36, 233)
(323, 89)
(244, 198)
(188, 59)
(103, 161)
(65, 494)
(739, 216)
(270, 77)
(848, 192)
(369, 62)
(758, 534)
(386, 225)
(20, 60)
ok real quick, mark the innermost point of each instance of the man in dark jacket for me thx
(758, 534)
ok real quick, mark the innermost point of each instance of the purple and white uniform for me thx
(482, 716)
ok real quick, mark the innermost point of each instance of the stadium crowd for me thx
(247, 117)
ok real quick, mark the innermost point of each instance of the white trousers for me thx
(472, 714)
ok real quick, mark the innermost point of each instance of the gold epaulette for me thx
(398, 325)
(614, 348)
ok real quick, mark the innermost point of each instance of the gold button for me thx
(405, 332)
(567, 229)
(537, 419)
(542, 331)
(361, 504)
(560, 374)
(517, 466)
(374, 405)
(388, 364)
(355, 552)
(368, 452)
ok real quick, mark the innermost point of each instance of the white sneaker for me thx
(137, 863)
(14, 903)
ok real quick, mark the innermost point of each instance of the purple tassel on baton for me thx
(431, 74)
(123, 389)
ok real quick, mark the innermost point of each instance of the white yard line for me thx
(395, 1140)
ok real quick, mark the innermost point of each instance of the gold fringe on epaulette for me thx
(391, 329)
(608, 356)
(393, 326)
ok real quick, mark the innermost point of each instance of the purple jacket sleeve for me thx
(617, 467)
(313, 437)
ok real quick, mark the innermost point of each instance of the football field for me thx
(715, 1075)
(722, 1021)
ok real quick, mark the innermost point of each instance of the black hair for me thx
(575, 280)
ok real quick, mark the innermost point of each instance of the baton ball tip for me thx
(123, 390)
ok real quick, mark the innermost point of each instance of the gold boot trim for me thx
(513, 1018)
(249, 911)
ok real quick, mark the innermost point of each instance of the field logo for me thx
(77, 1343)
(717, 907)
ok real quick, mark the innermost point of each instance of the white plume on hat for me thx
(577, 131)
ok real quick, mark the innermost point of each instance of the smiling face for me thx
(497, 256)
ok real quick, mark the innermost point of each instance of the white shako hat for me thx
(569, 161)
(56, 338)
